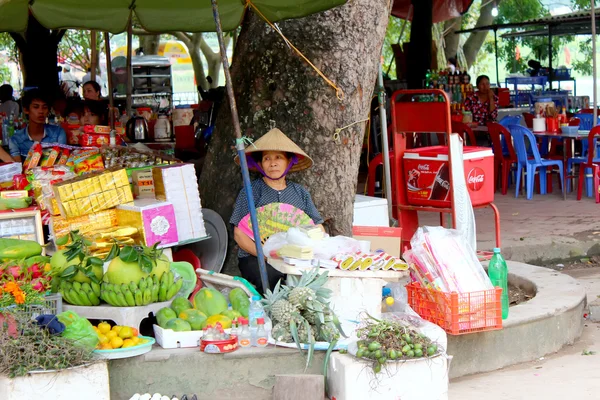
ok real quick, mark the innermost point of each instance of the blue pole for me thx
(239, 145)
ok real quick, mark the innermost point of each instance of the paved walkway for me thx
(566, 374)
(539, 230)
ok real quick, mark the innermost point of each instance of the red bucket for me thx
(552, 124)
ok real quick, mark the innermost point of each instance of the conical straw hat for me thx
(275, 140)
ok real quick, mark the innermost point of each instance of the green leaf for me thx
(114, 252)
(311, 348)
(69, 272)
(146, 263)
(326, 362)
(337, 324)
(128, 254)
(96, 261)
(294, 332)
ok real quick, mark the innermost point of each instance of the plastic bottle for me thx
(11, 125)
(262, 339)
(244, 338)
(234, 328)
(255, 312)
(498, 273)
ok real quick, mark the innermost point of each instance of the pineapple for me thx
(308, 289)
(310, 317)
(276, 305)
(328, 333)
(299, 296)
(281, 333)
(303, 330)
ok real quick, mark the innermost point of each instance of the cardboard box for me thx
(155, 221)
(381, 238)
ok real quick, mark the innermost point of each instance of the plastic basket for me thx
(52, 305)
(457, 313)
(562, 73)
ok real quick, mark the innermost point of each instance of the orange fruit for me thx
(134, 332)
(102, 338)
(117, 328)
(104, 327)
(111, 335)
(105, 346)
(116, 342)
(127, 343)
(136, 340)
(125, 332)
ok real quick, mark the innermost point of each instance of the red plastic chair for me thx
(502, 162)
(528, 119)
(465, 131)
(595, 167)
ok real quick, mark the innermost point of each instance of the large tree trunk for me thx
(39, 48)
(476, 39)
(275, 87)
(150, 44)
(451, 39)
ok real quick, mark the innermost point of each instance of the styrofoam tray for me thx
(169, 339)
(116, 354)
(128, 316)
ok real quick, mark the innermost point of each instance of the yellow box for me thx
(65, 192)
(107, 181)
(121, 178)
(85, 205)
(96, 186)
(94, 202)
(85, 223)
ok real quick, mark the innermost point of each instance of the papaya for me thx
(239, 301)
(231, 314)
(164, 315)
(210, 301)
(180, 304)
(13, 249)
(222, 319)
(194, 317)
(178, 325)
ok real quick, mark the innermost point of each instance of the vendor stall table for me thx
(128, 316)
(354, 292)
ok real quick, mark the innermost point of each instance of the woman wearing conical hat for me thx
(274, 155)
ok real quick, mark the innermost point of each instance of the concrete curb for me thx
(543, 325)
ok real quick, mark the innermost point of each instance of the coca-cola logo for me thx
(475, 179)
(423, 167)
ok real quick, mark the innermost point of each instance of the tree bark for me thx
(476, 39)
(39, 48)
(150, 44)
(275, 87)
(451, 39)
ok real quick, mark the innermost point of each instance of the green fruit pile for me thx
(147, 290)
(383, 341)
(80, 294)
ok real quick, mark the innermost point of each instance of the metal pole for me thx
(595, 105)
(94, 61)
(384, 140)
(111, 100)
(496, 53)
(550, 72)
(239, 145)
(129, 71)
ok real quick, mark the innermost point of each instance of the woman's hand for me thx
(245, 242)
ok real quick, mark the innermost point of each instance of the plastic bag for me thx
(411, 318)
(78, 329)
(323, 249)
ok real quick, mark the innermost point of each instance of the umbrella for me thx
(442, 9)
(174, 50)
(164, 16)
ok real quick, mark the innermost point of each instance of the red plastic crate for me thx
(457, 313)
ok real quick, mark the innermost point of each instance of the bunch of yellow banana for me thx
(80, 294)
(147, 290)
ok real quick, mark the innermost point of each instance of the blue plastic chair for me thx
(506, 122)
(587, 123)
(519, 133)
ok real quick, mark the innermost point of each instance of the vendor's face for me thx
(37, 111)
(89, 118)
(484, 86)
(274, 163)
(89, 93)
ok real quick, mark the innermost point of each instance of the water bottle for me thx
(11, 126)
(498, 273)
(255, 312)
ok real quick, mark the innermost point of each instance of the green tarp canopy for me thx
(153, 15)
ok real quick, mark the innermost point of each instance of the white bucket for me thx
(349, 378)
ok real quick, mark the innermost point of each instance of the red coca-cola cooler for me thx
(428, 175)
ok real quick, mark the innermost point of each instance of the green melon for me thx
(178, 325)
(231, 314)
(164, 315)
(194, 317)
(210, 301)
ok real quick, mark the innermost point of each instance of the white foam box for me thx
(349, 378)
(169, 339)
(128, 316)
(370, 211)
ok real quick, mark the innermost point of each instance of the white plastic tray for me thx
(128, 316)
(127, 352)
(169, 339)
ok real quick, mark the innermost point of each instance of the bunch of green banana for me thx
(169, 287)
(80, 294)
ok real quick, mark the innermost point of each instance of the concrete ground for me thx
(566, 374)
(538, 231)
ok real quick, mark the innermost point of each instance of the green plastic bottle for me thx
(498, 273)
